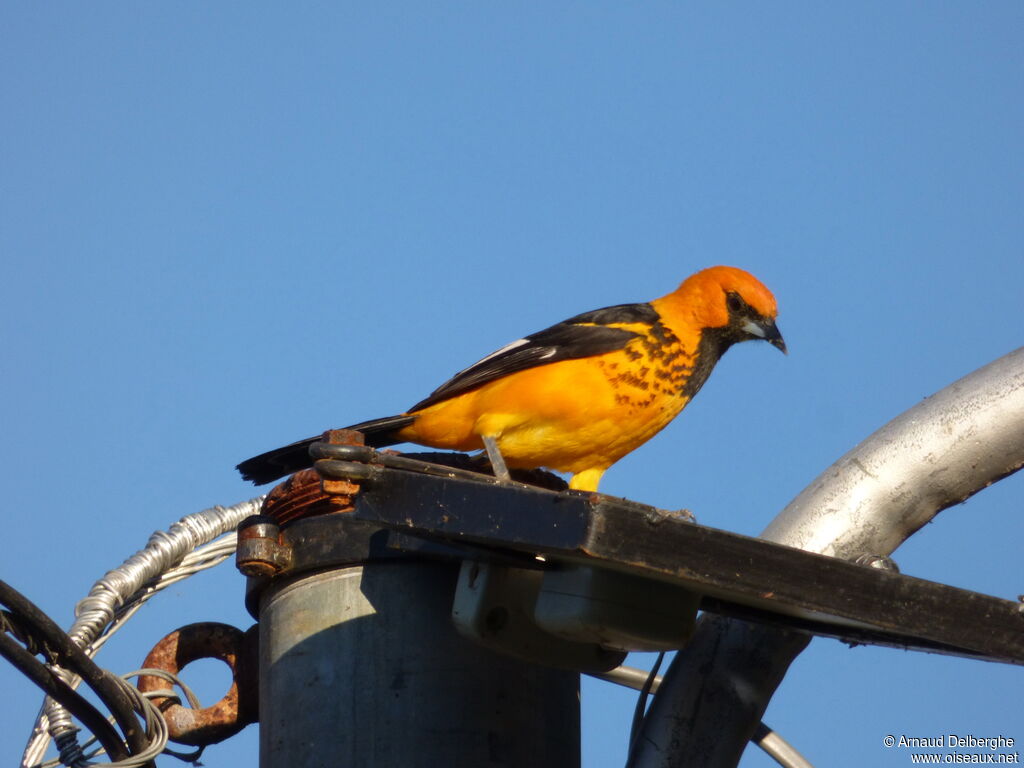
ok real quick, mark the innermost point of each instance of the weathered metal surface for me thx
(361, 666)
(303, 495)
(344, 465)
(312, 543)
(764, 580)
(495, 605)
(615, 609)
(363, 464)
(259, 551)
(206, 640)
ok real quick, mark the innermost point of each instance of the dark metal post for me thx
(361, 666)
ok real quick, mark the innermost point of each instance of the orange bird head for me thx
(730, 299)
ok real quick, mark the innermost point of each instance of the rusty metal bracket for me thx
(207, 640)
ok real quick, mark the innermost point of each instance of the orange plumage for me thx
(582, 394)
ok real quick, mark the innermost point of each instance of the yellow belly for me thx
(570, 416)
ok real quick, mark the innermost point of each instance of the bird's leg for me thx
(496, 459)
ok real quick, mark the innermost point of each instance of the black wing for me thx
(585, 335)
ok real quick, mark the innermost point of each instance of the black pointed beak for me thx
(774, 337)
(764, 328)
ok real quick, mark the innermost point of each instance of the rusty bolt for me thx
(342, 486)
(260, 552)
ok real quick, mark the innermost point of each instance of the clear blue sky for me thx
(226, 226)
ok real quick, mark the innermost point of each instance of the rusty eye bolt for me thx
(206, 640)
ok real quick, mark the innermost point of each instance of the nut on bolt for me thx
(260, 552)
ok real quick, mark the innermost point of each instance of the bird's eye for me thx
(733, 302)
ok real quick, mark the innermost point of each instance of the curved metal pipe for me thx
(938, 453)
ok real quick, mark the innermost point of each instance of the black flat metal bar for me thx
(512, 516)
(337, 540)
(802, 589)
(850, 635)
(810, 587)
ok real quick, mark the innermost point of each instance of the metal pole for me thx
(361, 666)
(938, 453)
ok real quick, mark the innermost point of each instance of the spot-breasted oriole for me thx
(580, 395)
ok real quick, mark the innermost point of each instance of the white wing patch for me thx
(507, 348)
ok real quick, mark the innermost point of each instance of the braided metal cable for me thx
(168, 557)
(164, 550)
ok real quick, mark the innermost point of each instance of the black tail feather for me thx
(383, 432)
(277, 463)
(289, 459)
